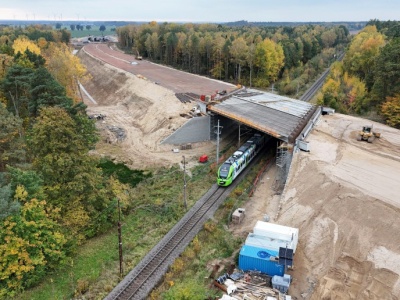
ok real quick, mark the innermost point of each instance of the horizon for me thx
(205, 11)
(202, 22)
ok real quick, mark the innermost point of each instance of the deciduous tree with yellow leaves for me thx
(23, 43)
(30, 244)
(269, 60)
(66, 68)
(362, 53)
(391, 111)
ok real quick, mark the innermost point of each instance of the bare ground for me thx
(146, 112)
(343, 195)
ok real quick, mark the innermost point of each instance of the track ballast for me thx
(148, 273)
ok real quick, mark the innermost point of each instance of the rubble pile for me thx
(118, 132)
(250, 285)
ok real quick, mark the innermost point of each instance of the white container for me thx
(277, 232)
(305, 146)
(267, 243)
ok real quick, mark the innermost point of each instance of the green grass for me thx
(188, 278)
(87, 264)
(95, 268)
(123, 173)
(157, 204)
(215, 244)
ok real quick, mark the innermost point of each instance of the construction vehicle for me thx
(367, 134)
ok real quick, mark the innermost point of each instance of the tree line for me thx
(248, 55)
(53, 195)
(368, 78)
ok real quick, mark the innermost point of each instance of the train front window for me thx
(224, 171)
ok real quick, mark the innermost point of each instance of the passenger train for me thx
(236, 163)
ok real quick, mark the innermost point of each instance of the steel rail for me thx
(145, 276)
(307, 96)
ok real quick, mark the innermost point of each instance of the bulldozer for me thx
(367, 134)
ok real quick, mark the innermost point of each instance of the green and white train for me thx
(236, 163)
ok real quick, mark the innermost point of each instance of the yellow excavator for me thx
(367, 134)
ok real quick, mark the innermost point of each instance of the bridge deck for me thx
(278, 116)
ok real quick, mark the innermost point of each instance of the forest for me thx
(367, 81)
(247, 55)
(285, 59)
(54, 196)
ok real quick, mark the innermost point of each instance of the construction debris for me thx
(252, 285)
(186, 146)
(187, 97)
(119, 132)
(97, 117)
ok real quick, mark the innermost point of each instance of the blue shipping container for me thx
(254, 258)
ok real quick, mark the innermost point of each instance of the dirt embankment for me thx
(344, 198)
(141, 112)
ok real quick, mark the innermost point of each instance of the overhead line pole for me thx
(184, 182)
(218, 132)
(121, 271)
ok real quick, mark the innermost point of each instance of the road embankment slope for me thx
(344, 198)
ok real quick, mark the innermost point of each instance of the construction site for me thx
(341, 191)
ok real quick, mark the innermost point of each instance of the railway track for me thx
(307, 96)
(147, 274)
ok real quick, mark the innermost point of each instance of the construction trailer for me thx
(266, 261)
(274, 236)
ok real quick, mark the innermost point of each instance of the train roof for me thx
(239, 152)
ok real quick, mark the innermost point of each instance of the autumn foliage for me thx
(30, 244)
(368, 79)
(52, 194)
(391, 111)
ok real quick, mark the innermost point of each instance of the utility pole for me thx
(239, 136)
(218, 132)
(121, 271)
(184, 182)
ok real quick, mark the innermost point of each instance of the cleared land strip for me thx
(175, 80)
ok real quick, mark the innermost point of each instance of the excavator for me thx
(367, 134)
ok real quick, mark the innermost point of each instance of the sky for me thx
(201, 10)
